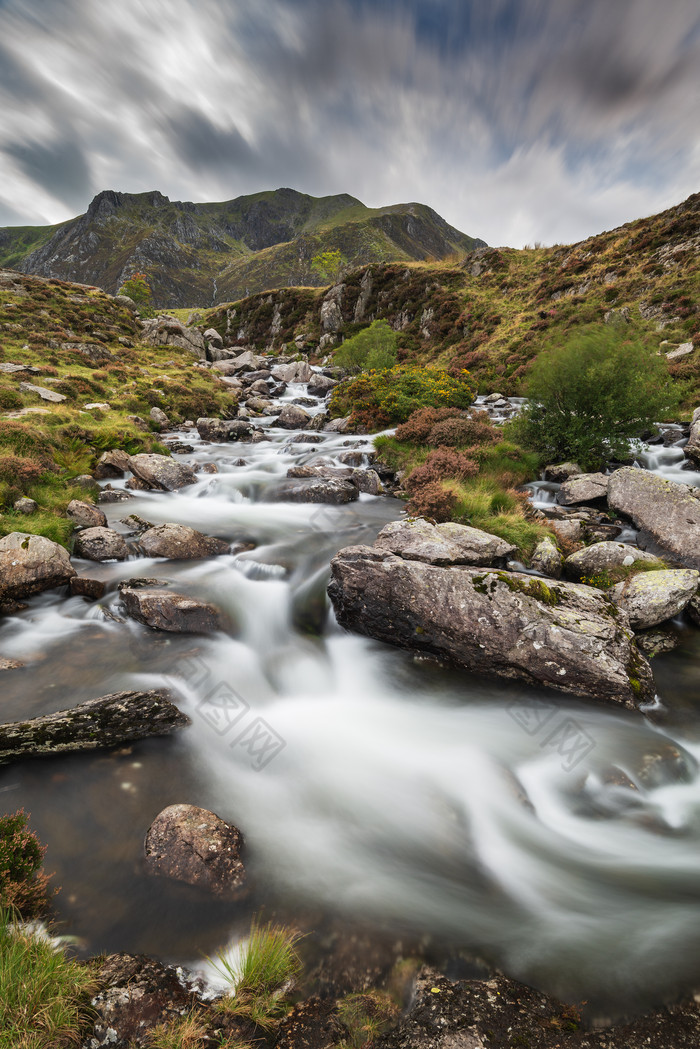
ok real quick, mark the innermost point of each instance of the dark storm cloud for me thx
(515, 118)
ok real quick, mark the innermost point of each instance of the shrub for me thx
(23, 883)
(462, 431)
(18, 471)
(420, 423)
(374, 347)
(9, 400)
(591, 395)
(433, 501)
(442, 464)
(378, 399)
(24, 441)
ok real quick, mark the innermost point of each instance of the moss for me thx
(535, 588)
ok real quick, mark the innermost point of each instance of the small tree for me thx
(328, 265)
(138, 289)
(590, 396)
(372, 348)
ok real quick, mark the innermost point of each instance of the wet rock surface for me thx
(100, 544)
(180, 542)
(563, 635)
(666, 511)
(30, 564)
(160, 472)
(196, 846)
(170, 611)
(86, 515)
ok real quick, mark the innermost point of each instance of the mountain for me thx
(203, 254)
(493, 313)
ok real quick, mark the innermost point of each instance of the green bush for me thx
(378, 399)
(23, 884)
(593, 394)
(372, 348)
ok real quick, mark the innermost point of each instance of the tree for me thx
(373, 347)
(137, 288)
(328, 265)
(590, 396)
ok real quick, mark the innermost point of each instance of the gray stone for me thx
(169, 331)
(668, 512)
(650, 598)
(159, 417)
(114, 463)
(584, 488)
(562, 635)
(601, 557)
(25, 506)
(100, 544)
(547, 559)
(681, 351)
(244, 362)
(30, 564)
(180, 542)
(560, 472)
(320, 385)
(298, 371)
(316, 490)
(212, 337)
(337, 425)
(292, 417)
(195, 846)
(442, 544)
(83, 586)
(166, 610)
(160, 472)
(86, 515)
(692, 448)
(41, 391)
(222, 430)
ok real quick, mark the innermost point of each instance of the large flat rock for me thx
(563, 635)
(668, 512)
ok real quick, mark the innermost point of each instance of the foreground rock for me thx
(651, 598)
(498, 1012)
(166, 610)
(160, 472)
(180, 543)
(443, 544)
(116, 718)
(605, 557)
(546, 558)
(101, 544)
(561, 634)
(292, 417)
(195, 846)
(667, 512)
(30, 564)
(86, 515)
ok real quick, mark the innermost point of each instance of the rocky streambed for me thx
(499, 816)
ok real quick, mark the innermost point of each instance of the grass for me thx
(366, 1016)
(188, 1032)
(265, 971)
(44, 996)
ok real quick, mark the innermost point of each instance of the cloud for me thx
(515, 119)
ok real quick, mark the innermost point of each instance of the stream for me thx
(372, 787)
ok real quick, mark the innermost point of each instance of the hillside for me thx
(201, 254)
(497, 310)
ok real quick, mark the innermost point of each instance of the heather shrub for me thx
(420, 423)
(462, 431)
(10, 400)
(23, 883)
(433, 501)
(18, 471)
(441, 465)
(384, 398)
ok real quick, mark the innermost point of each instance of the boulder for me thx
(667, 512)
(563, 635)
(212, 338)
(41, 391)
(86, 515)
(83, 586)
(298, 371)
(692, 448)
(160, 472)
(158, 416)
(442, 544)
(584, 488)
(367, 481)
(114, 463)
(650, 598)
(113, 495)
(25, 506)
(166, 610)
(602, 557)
(319, 385)
(169, 331)
(244, 362)
(30, 564)
(220, 430)
(100, 544)
(195, 846)
(292, 417)
(180, 543)
(104, 722)
(316, 490)
(546, 558)
(560, 472)
(337, 425)
(259, 404)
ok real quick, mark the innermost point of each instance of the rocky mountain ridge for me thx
(202, 254)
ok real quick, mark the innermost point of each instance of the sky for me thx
(519, 121)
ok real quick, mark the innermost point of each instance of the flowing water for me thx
(558, 839)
